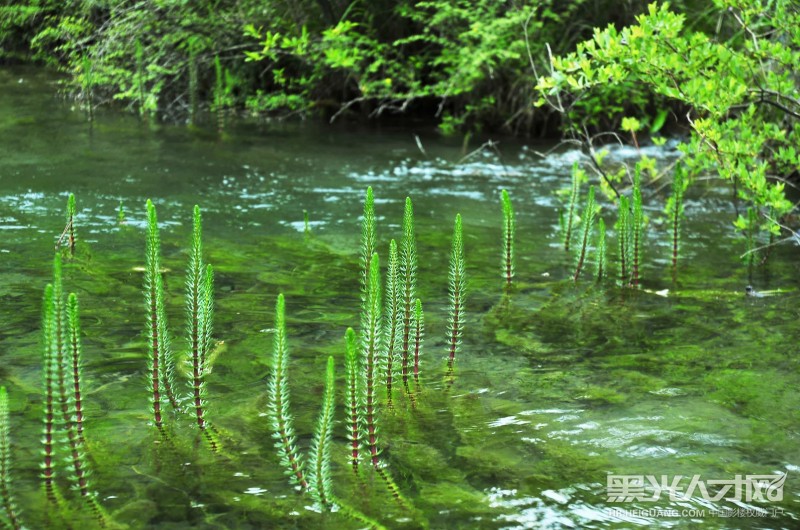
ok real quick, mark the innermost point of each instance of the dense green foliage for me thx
(736, 88)
(463, 63)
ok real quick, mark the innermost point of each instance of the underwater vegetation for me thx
(344, 460)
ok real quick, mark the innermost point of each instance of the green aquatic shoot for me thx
(306, 224)
(158, 341)
(371, 340)
(75, 364)
(637, 226)
(601, 265)
(392, 329)
(81, 469)
(50, 375)
(587, 222)
(624, 239)
(408, 288)
(419, 335)
(354, 402)
(199, 322)
(320, 484)
(278, 402)
(577, 175)
(121, 213)
(674, 211)
(71, 223)
(10, 514)
(367, 241)
(508, 239)
(457, 292)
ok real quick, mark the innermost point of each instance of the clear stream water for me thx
(557, 387)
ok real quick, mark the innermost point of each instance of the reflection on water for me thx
(557, 388)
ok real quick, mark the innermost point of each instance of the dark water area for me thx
(559, 388)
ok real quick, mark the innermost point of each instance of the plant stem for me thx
(9, 507)
(508, 239)
(408, 285)
(588, 225)
(355, 407)
(457, 285)
(278, 407)
(576, 175)
(637, 224)
(419, 333)
(319, 479)
(623, 238)
(393, 301)
(602, 259)
(371, 348)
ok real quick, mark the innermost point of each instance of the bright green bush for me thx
(738, 90)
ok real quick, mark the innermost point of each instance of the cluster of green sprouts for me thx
(199, 328)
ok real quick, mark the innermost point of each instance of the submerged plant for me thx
(69, 227)
(586, 232)
(624, 239)
(457, 287)
(354, 403)
(80, 464)
(160, 364)
(602, 260)
(278, 406)
(370, 352)
(10, 514)
(674, 210)
(508, 239)
(367, 241)
(419, 334)
(199, 316)
(637, 225)
(392, 329)
(319, 477)
(577, 175)
(50, 374)
(408, 287)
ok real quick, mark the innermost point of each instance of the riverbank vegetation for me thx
(465, 65)
(719, 75)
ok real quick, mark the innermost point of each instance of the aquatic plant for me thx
(600, 250)
(408, 287)
(319, 477)
(75, 364)
(9, 515)
(370, 357)
(121, 213)
(69, 227)
(392, 330)
(624, 239)
(158, 342)
(367, 241)
(457, 295)
(508, 239)
(67, 363)
(80, 463)
(637, 225)
(278, 402)
(587, 222)
(306, 225)
(674, 209)
(353, 403)
(50, 375)
(577, 175)
(419, 334)
(199, 317)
